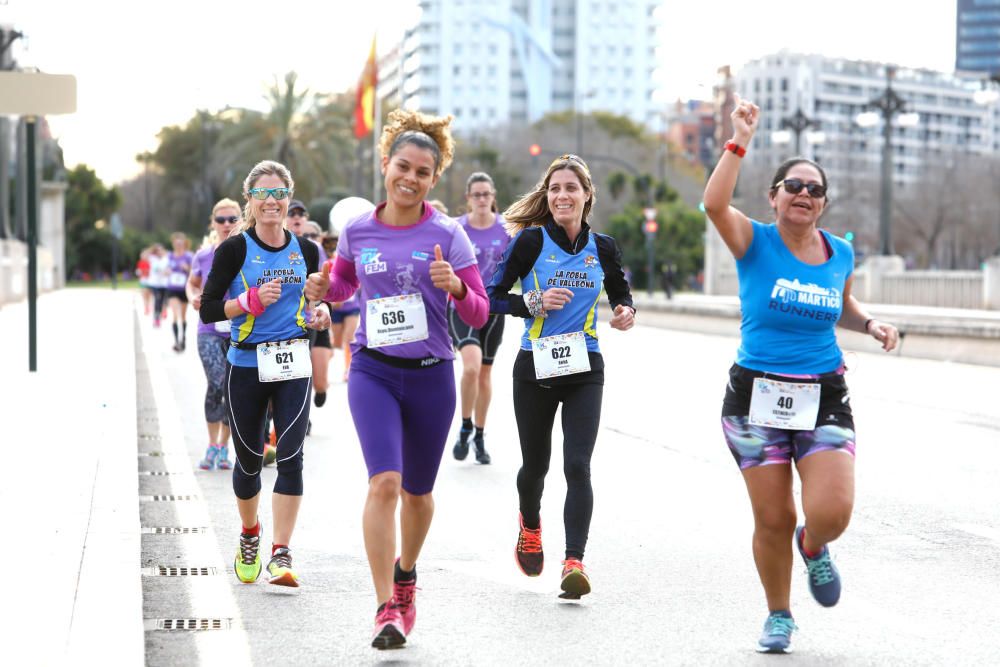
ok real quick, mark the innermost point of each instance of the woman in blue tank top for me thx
(257, 282)
(786, 398)
(562, 266)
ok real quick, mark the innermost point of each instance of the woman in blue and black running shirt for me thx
(786, 398)
(263, 268)
(562, 266)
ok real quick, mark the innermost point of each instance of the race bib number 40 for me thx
(564, 354)
(789, 405)
(283, 360)
(395, 320)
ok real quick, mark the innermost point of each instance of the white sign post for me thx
(33, 94)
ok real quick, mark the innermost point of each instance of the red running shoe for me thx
(528, 551)
(575, 582)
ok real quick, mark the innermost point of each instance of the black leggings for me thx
(247, 398)
(535, 409)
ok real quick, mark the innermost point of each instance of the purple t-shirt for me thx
(180, 267)
(200, 267)
(489, 244)
(390, 261)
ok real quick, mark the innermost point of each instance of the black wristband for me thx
(867, 322)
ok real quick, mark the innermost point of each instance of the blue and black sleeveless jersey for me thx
(244, 261)
(587, 264)
(582, 274)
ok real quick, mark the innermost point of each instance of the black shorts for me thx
(177, 294)
(834, 401)
(488, 338)
(319, 339)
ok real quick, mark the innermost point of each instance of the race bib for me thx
(223, 326)
(177, 280)
(563, 354)
(283, 360)
(395, 320)
(789, 405)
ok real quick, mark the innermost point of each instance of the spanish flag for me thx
(364, 106)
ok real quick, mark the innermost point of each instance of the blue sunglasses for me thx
(261, 194)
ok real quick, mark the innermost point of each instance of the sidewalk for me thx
(945, 334)
(69, 484)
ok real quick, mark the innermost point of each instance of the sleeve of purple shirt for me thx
(474, 309)
(343, 280)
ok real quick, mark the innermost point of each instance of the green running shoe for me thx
(247, 563)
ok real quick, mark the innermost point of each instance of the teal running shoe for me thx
(211, 456)
(777, 635)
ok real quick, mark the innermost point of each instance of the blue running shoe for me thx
(824, 579)
(777, 635)
(211, 456)
(223, 462)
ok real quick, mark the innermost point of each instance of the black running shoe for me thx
(482, 456)
(461, 449)
(319, 399)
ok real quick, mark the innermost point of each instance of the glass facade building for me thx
(977, 37)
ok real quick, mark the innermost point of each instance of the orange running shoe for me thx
(575, 582)
(528, 551)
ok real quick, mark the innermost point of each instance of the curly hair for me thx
(432, 133)
(532, 208)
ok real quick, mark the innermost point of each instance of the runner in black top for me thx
(562, 266)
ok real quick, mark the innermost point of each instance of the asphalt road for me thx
(669, 552)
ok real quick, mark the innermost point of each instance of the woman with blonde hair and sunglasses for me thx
(213, 339)
(786, 399)
(409, 261)
(257, 282)
(562, 265)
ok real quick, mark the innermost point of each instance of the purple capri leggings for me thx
(402, 416)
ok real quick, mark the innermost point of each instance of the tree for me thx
(87, 201)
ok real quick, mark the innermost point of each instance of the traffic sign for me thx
(649, 212)
(37, 94)
(117, 230)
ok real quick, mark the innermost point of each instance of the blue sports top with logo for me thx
(580, 272)
(284, 319)
(790, 308)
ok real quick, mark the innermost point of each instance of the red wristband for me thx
(735, 148)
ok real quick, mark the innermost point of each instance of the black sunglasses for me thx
(793, 186)
(231, 219)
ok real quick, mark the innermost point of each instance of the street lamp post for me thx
(798, 123)
(889, 103)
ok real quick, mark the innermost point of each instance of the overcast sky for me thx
(141, 65)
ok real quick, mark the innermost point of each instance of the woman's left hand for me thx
(884, 333)
(443, 276)
(624, 318)
(320, 319)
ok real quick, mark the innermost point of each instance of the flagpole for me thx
(376, 131)
(376, 157)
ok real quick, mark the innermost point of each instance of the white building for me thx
(493, 62)
(954, 114)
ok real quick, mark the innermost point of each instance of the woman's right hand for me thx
(746, 117)
(555, 298)
(269, 292)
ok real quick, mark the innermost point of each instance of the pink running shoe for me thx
(404, 594)
(388, 631)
